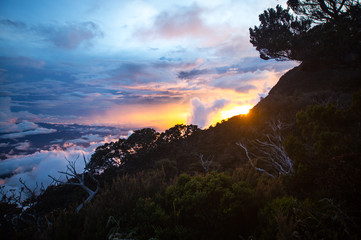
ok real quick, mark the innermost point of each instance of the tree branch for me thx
(80, 180)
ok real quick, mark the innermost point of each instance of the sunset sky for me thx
(130, 63)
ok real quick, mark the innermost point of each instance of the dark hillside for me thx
(310, 84)
(302, 80)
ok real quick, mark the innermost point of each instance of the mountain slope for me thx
(188, 183)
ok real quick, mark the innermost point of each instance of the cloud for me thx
(12, 24)
(184, 22)
(23, 146)
(23, 62)
(201, 112)
(88, 138)
(192, 73)
(35, 168)
(4, 145)
(20, 127)
(39, 130)
(13, 125)
(245, 88)
(70, 36)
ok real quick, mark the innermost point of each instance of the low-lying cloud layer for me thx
(34, 169)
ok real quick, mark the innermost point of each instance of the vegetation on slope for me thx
(290, 169)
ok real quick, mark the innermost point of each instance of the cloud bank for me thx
(34, 168)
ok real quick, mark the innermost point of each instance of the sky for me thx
(130, 63)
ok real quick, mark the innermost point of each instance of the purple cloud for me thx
(185, 22)
(192, 73)
(20, 127)
(23, 146)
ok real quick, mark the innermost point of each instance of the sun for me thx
(244, 109)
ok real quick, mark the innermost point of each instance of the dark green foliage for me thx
(212, 207)
(321, 10)
(277, 33)
(288, 218)
(324, 31)
(322, 126)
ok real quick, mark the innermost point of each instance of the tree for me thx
(322, 30)
(321, 10)
(276, 36)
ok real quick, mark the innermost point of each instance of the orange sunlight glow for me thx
(160, 117)
(244, 109)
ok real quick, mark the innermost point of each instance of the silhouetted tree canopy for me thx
(322, 30)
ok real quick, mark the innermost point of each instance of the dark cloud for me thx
(149, 96)
(192, 73)
(12, 24)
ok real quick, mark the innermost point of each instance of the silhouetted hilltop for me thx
(311, 83)
(316, 79)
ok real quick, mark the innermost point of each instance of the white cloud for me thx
(39, 130)
(36, 167)
(202, 112)
(19, 127)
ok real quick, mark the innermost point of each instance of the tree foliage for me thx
(323, 30)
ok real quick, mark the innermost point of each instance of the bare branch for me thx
(80, 180)
(272, 151)
(31, 192)
(206, 163)
(252, 163)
